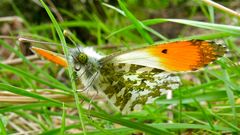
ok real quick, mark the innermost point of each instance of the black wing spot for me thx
(164, 51)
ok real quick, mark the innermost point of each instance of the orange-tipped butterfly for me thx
(133, 78)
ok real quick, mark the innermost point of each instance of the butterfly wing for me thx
(134, 78)
(130, 86)
(173, 57)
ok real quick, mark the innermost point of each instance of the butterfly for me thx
(131, 79)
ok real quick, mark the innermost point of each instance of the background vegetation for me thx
(38, 97)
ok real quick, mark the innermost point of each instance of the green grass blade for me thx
(2, 127)
(135, 125)
(218, 27)
(233, 30)
(17, 52)
(211, 13)
(206, 116)
(146, 28)
(114, 8)
(139, 25)
(210, 96)
(63, 125)
(226, 122)
(20, 91)
(31, 76)
(231, 98)
(190, 126)
(70, 70)
(28, 106)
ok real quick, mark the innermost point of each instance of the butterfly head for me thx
(82, 57)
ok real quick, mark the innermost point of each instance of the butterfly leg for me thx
(91, 80)
(91, 101)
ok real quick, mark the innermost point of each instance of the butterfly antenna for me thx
(78, 49)
(72, 38)
(74, 58)
(23, 39)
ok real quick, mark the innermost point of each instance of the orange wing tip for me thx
(51, 56)
(187, 55)
(209, 51)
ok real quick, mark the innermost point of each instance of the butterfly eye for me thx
(82, 58)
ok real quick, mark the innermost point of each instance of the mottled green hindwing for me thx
(130, 86)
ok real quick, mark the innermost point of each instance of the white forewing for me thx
(138, 57)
